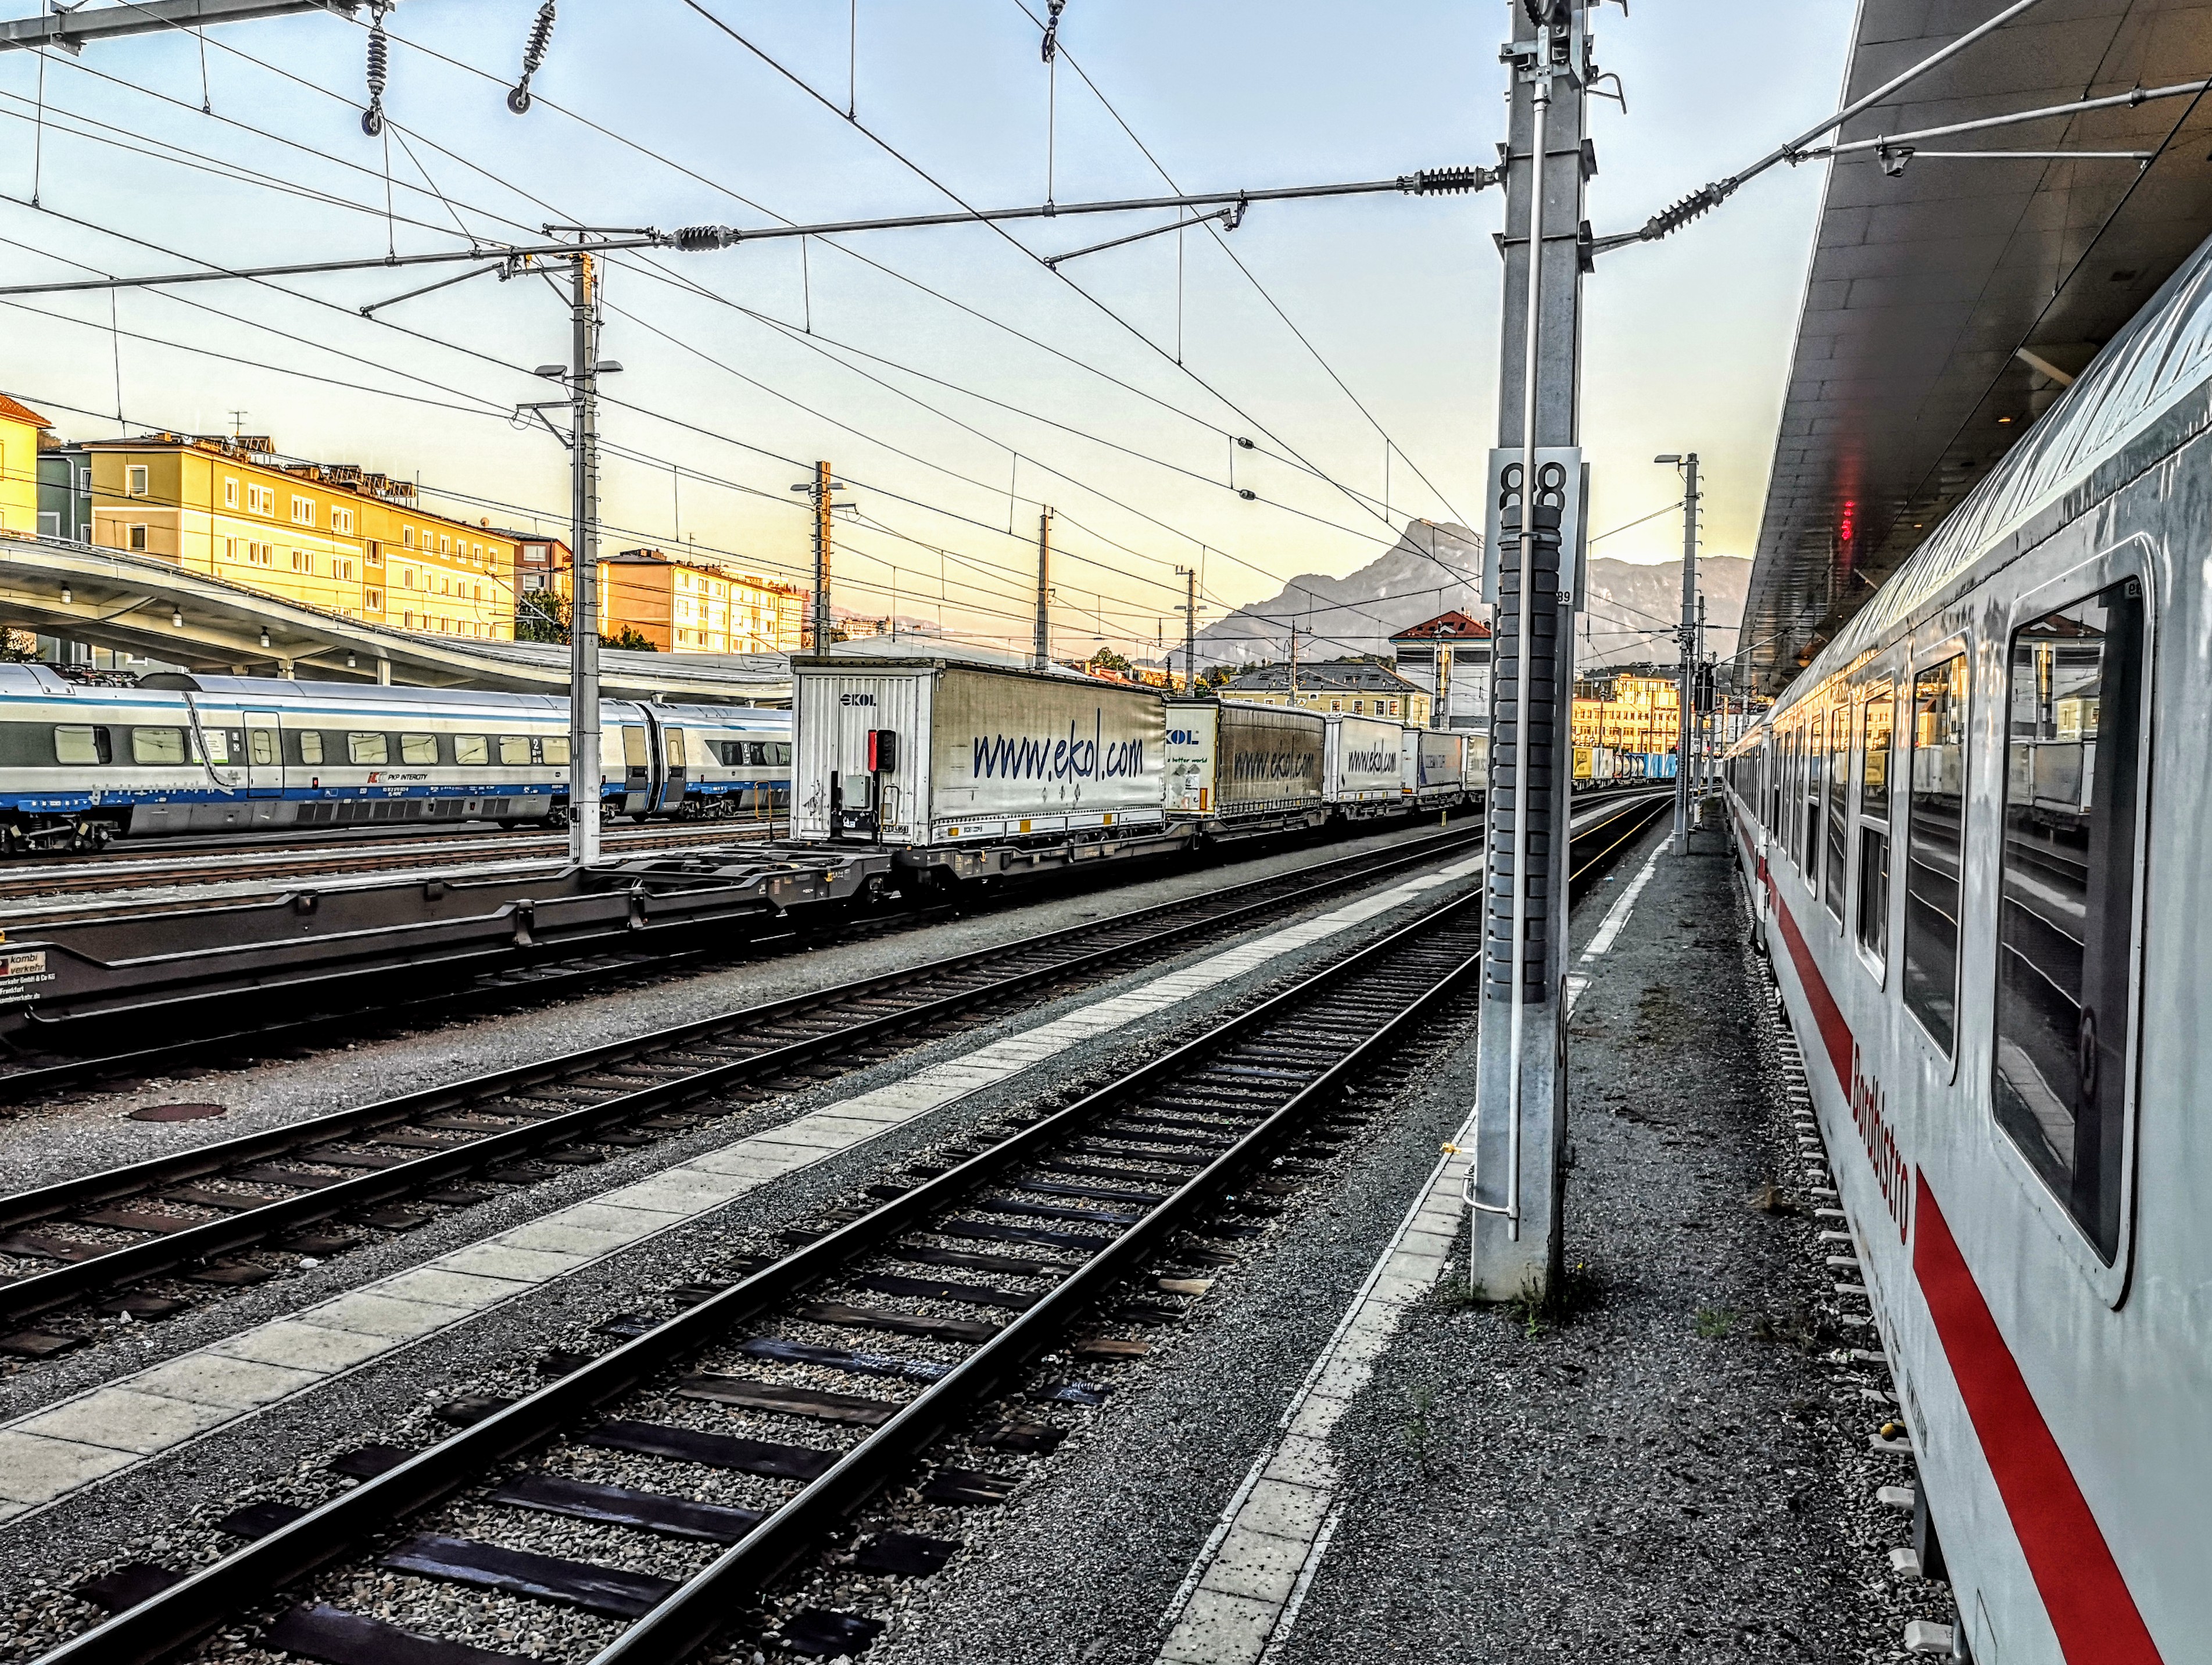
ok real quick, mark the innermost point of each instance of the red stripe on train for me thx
(2082, 1589)
(2091, 1609)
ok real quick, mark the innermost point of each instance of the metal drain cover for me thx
(176, 1112)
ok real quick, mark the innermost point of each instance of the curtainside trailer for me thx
(971, 770)
(1235, 769)
(1364, 773)
(1435, 767)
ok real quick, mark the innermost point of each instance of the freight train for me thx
(1974, 830)
(83, 763)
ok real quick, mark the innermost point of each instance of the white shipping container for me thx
(1229, 760)
(975, 753)
(1363, 759)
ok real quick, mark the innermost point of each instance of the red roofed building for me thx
(1447, 657)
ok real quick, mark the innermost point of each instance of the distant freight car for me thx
(1364, 775)
(1235, 769)
(927, 754)
(1434, 767)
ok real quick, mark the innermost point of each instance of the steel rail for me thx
(196, 1244)
(179, 1616)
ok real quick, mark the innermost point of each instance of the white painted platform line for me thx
(1239, 1601)
(48, 1455)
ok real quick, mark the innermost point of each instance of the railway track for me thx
(243, 859)
(320, 1186)
(942, 1297)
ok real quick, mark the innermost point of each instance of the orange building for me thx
(682, 607)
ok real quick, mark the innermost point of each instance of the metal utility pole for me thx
(1044, 590)
(1294, 665)
(1516, 1185)
(1703, 705)
(1689, 645)
(1190, 628)
(820, 489)
(584, 582)
(822, 630)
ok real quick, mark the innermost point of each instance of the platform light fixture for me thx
(65, 595)
(176, 618)
(265, 638)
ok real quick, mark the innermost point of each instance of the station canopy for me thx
(1950, 301)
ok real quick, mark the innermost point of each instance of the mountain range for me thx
(1436, 566)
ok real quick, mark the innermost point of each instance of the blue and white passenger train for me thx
(81, 764)
(1975, 826)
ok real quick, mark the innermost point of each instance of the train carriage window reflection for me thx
(418, 748)
(1935, 819)
(2066, 920)
(557, 750)
(1839, 818)
(263, 743)
(1815, 759)
(1879, 715)
(514, 751)
(471, 750)
(80, 742)
(157, 746)
(779, 753)
(311, 746)
(361, 748)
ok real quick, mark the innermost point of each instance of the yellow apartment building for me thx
(329, 535)
(20, 426)
(1636, 713)
(683, 607)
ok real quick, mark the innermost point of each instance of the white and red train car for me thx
(1978, 831)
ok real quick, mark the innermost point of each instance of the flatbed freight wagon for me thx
(969, 770)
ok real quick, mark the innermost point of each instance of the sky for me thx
(957, 384)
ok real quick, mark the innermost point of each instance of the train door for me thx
(675, 776)
(637, 769)
(264, 756)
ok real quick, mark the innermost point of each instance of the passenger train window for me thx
(557, 750)
(2066, 918)
(514, 751)
(672, 746)
(472, 749)
(1879, 713)
(1936, 820)
(779, 753)
(80, 742)
(1816, 757)
(367, 749)
(263, 742)
(1839, 801)
(157, 746)
(311, 746)
(418, 748)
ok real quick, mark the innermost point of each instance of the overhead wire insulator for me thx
(380, 63)
(1700, 201)
(1052, 28)
(1447, 181)
(534, 55)
(696, 239)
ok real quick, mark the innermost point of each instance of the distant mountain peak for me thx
(1436, 566)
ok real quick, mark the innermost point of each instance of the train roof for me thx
(2162, 355)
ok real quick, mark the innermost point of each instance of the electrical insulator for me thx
(533, 54)
(379, 58)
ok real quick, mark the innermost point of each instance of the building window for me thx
(342, 519)
(341, 569)
(407, 536)
(374, 600)
(137, 535)
(444, 544)
(302, 562)
(407, 579)
(303, 511)
(230, 493)
(134, 478)
(260, 499)
(376, 552)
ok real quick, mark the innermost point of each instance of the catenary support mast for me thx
(1685, 729)
(1520, 1131)
(1043, 648)
(584, 577)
